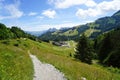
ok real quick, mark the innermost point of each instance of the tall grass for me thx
(72, 68)
(15, 63)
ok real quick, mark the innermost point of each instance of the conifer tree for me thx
(105, 49)
(84, 50)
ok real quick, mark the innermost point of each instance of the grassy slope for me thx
(66, 33)
(74, 32)
(72, 69)
(71, 32)
(15, 64)
(90, 31)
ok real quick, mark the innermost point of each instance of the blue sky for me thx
(38, 15)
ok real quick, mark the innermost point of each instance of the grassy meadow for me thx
(73, 69)
(15, 63)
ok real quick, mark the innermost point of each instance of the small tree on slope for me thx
(84, 50)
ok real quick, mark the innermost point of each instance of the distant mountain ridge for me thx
(91, 30)
(51, 30)
(35, 33)
(39, 33)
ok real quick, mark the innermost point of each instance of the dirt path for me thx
(45, 71)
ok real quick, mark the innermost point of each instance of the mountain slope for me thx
(13, 33)
(108, 48)
(92, 30)
(15, 63)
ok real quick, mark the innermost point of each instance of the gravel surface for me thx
(45, 71)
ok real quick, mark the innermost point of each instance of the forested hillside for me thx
(91, 30)
(13, 33)
(14, 54)
(107, 47)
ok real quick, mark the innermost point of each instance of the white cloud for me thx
(49, 13)
(12, 10)
(108, 6)
(68, 3)
(100, 9)
(88, 13)
(47, 26)
(58, 26)
(5, 17)
(32, 13)
(90, 3)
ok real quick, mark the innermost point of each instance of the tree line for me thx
(105, 48)
(13, 33)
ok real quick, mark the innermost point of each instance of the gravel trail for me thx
(45, 71)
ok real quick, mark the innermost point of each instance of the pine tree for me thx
(105, 49)
(84, 50)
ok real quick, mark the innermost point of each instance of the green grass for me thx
(90, 31)
(67, 33)
(71, 32)
(15, 63)
(72, 68)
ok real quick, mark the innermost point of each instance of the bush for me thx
(114, 70)
(7, 42)
(25, 45)
(16, 44)
(18, 41)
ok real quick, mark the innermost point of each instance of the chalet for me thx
(61, 43)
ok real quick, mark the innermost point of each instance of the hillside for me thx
(92, 30)
(108, 48)
(13, 33)
(15, 63)
(16, 45)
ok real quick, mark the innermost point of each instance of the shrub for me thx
(7, 42)
(16, 44)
